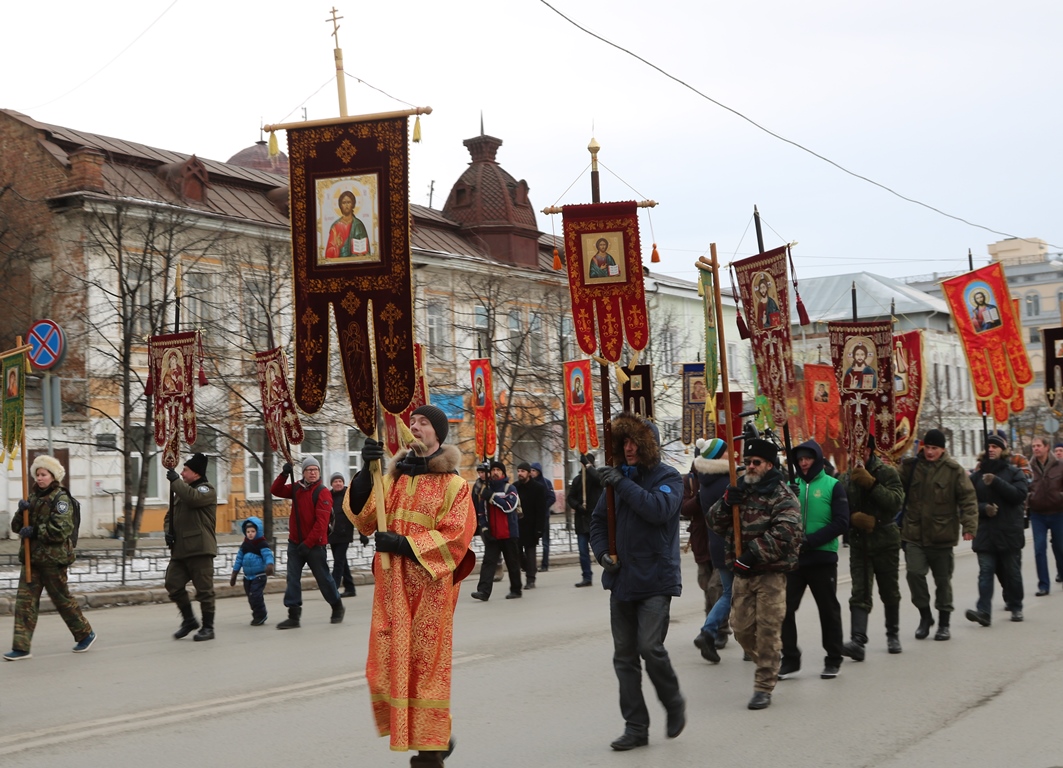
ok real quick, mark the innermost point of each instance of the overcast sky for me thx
(954, 103)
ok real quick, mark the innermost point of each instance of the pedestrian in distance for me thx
(51, 524)
(1046, 512)
(712, 470)
(255, 559)
(551, 499)
(307, 537)
(588, 477)
(533, 503)
(500, 530)
(340, 537)
(193, 541)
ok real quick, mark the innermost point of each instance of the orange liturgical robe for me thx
(411, 638)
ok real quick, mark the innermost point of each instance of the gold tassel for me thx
(634, 359)
(656, 257)
(405, 435)
(557, 261)
(417, 130)
(274, 150)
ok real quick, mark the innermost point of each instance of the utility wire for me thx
(791, 142)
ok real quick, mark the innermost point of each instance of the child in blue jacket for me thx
(256, 558)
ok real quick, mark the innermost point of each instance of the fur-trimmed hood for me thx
(645, 435)
(712, 466)
(445, 461)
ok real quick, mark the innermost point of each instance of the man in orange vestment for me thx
(430, 522)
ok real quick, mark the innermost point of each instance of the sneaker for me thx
(788, 667)
(86, 643)
(829, 672)
(1016, 615)
(17, 655)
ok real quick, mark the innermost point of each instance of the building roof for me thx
(257, 156)
(830, 298)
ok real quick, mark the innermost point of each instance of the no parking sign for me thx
(47, 344)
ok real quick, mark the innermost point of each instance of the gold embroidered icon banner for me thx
(351, 250)
(636, 394)
(695, 398)
(991, 334)
(483, 408)
(281, 418)
(908, 377)
(605, 277)
(420, 397)
(762, 285)
(822, 403)
(1053, 347)
(173, 360)
(579, 399)
(861, 353)
(13, 364)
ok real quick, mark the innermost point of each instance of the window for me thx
(1035, 336)
(437, 331)
(154, 462)
(536, 342)
(257, 313)
(568, 339)
(1033, 305)
(355, 441)
(482, 326)
(138, 277)
(256, 441)
(198, 297)
(515, 326)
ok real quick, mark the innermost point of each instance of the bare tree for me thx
(22, 235)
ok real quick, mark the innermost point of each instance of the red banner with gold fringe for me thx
(822, 403)
(991, 334)
(605, 277)
(579, 400)
(281, 419)
(483, 408)
(908, 378)
(861, 353)
(173, 360)
(351, 250)
(762, 284)
(420, 397)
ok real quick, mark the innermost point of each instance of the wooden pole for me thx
(25, 470)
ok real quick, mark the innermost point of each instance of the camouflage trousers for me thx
(758, 607)
(50, 578)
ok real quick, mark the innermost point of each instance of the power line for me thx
(781, 138)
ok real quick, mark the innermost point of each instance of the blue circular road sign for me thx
(47, 344)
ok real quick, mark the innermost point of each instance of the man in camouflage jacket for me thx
(770, 536)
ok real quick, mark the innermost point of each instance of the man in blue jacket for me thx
(824, 518)
(643, 575)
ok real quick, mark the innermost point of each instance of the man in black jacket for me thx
(582, 518)
(533, 505)
(340, 536)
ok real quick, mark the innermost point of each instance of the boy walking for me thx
(256, 559)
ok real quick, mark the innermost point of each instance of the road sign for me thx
(47, 344)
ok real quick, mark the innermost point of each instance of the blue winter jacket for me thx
(647, 534)
(255, 555)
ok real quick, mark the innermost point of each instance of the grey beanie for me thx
(310, 461)
(336, 475)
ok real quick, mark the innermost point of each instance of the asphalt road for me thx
(533, 687)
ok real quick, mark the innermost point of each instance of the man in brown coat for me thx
(1046, 511)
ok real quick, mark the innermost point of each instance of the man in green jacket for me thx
(193, 543)
(875, 497)
(940, 500)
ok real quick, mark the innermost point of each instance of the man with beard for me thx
(533, 503)
(1001, 488)
(430, 523)
(770, 537)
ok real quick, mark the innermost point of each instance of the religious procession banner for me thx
(636, 394)
(392, 437)
(605, 277)
(822, 403)
(991, 334)
(282, 423)
(908, 388)
(762, 285)
(351, 249)
(173, 360)
(483, 408)
(579, 400)
(695, 396)
(861, 353)
(13, 365)
(712, 362)
(1053, 344)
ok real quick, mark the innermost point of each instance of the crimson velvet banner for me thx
(351, 251)
(762, 285)
(861, 353)
(483, 408)
(908, 378)
(173, 360)
(280, 416)
(991, 334)
(420, 397)
(579, 400)
(605, 277)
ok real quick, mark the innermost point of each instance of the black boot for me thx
(188, 621)
(943, 626)
(926, 621)
(854, 649)
(292, 622)
(337, 613)
(207, 633)
(893, 627)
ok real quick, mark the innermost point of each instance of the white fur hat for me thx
(49, 463)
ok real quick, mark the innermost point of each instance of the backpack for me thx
(518, 509)
(75, 512)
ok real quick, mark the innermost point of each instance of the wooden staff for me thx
(374, 466)
(25, 469)
(713, 267)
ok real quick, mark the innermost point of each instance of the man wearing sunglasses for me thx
(770, 535)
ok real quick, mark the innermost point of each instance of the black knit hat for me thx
(997, 440)
(198, 464)
(498, 465)
(762, 449)
(437, 418)
(525, 466)
(934, 437)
